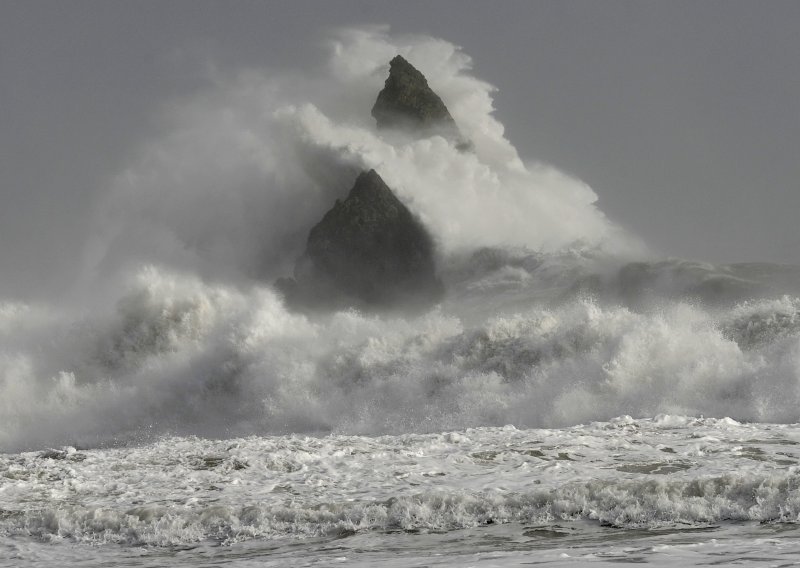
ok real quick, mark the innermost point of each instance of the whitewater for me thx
(573, 399)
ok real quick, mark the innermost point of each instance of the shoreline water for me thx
(666, 491)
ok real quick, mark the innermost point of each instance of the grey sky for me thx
(683, 116)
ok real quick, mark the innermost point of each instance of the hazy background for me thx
(683, 116)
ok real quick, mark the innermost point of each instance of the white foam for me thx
(177, 355)
(628, 473)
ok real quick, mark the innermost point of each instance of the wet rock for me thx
(368, 251)
(407, 101)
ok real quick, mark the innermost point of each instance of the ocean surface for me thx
(670, 490)
(202, 426)
(574, 399)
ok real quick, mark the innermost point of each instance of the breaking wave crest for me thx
(634, 504)
(176, 355)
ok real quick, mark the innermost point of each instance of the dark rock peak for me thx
(407, 101)
(368, 251)
(370, 188)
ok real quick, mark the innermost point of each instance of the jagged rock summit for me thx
(368, 251)
(407, 101)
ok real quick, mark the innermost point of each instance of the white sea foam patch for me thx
(181, 356)
(671, 471)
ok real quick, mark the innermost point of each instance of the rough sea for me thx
(575, 399)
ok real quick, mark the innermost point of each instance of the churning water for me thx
(571, 400)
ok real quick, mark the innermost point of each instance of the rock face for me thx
(407, 101)
(368, 251)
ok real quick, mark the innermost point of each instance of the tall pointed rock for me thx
(368, 251)
(407, 101)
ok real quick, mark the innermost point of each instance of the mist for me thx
(240, 171)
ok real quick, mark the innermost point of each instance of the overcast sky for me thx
(683, 116)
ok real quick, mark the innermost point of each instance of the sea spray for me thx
(237, 174)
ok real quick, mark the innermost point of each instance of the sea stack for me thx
(368, 251)
(407, 101)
